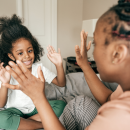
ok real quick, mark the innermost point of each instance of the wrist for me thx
(84, 65)
(3, 86)
(38, 99)
(59, 64)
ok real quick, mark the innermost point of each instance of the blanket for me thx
(75, 85)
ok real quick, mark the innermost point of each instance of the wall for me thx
(95, 8)
(69, 21)
(7, 7)
(69, 24)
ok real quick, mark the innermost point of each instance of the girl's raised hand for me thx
(54, 57)
(4, 75)
(81, 53)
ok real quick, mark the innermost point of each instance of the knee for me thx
(4, 115)
(57, 106)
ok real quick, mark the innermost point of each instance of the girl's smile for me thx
(23, 51)
(27, 62)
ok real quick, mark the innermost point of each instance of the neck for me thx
(125, 84)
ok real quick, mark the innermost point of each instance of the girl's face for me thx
(102, 54)
(23, 51)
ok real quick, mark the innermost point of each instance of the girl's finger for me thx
(14, 87)
(49, 56)
(50, 49)
(53, 49)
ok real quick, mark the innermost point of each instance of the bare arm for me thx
(4, 78)
(56, 59)
(99, 90)
(34, 88)
(60, 80)
(3, 96)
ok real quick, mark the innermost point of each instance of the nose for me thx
(26, 55)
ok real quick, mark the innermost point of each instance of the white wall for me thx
(69, 25)
(7, 7)
(95, 8)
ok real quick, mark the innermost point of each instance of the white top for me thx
(19, 100)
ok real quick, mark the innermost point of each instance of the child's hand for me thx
(4, 75)
(81, 53)
(54, 57)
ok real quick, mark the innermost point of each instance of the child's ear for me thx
(11, 56)
(119, 54)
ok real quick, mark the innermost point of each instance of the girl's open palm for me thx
(54, 57)
(4, 75)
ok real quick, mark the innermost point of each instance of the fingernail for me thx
(7, 68)
(10, 63)
(18, 62)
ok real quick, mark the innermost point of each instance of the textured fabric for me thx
(76, 85)
(79, 113)
(19, 100)
(114, 115)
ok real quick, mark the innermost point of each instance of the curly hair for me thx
(118, 17)
(11, 29)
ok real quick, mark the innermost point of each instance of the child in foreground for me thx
(17, 43)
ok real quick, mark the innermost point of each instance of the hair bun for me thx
(123, 2)
(127, 10)
(6, 22)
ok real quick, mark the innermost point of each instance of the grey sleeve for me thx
(111, 86)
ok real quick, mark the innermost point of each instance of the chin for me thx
(29, 66)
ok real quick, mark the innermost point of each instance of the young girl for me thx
(17, 43)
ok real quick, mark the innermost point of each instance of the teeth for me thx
(27, 62)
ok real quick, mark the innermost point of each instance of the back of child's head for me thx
(11, 29)
(117, 22)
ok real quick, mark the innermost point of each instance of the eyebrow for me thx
(21, 49)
